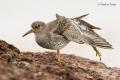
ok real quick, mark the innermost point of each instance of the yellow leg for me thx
(58, 55)
(97, 52)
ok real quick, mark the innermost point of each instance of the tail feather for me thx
(102, 43)
(97, 41)
(108, 46)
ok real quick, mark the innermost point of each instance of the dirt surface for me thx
(17, 65)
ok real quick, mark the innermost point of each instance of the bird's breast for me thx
(51, 41)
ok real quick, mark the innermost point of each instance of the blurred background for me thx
(16, 17)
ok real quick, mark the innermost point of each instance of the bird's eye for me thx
(37, 26)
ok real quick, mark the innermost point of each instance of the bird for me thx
(58, 33)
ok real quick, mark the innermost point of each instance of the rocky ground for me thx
(17, 65)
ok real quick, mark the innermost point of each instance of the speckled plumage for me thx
(79, 31)
(58, 33)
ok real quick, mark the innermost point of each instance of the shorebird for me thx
(58, 33)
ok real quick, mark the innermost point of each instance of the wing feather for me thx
(80, 32)
(94, 39)
(68, 29)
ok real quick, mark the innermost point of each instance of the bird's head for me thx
(36, 27)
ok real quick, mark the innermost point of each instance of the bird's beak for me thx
(30, 31)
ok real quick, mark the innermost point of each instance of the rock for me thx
(7, 51)
(16, 65)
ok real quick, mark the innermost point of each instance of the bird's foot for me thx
(97, 52)
(58, 60)
(99, 55)
(57, 57)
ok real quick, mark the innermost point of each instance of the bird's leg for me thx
(58, 55)
(97, 52)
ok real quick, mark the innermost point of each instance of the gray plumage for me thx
(58, 33)
(79, 31)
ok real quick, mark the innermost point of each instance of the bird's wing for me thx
(66, 28)
(84, 23)
(92, 38)
(80, 17)
(80, 33)
(89, 35)
(53, 24)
